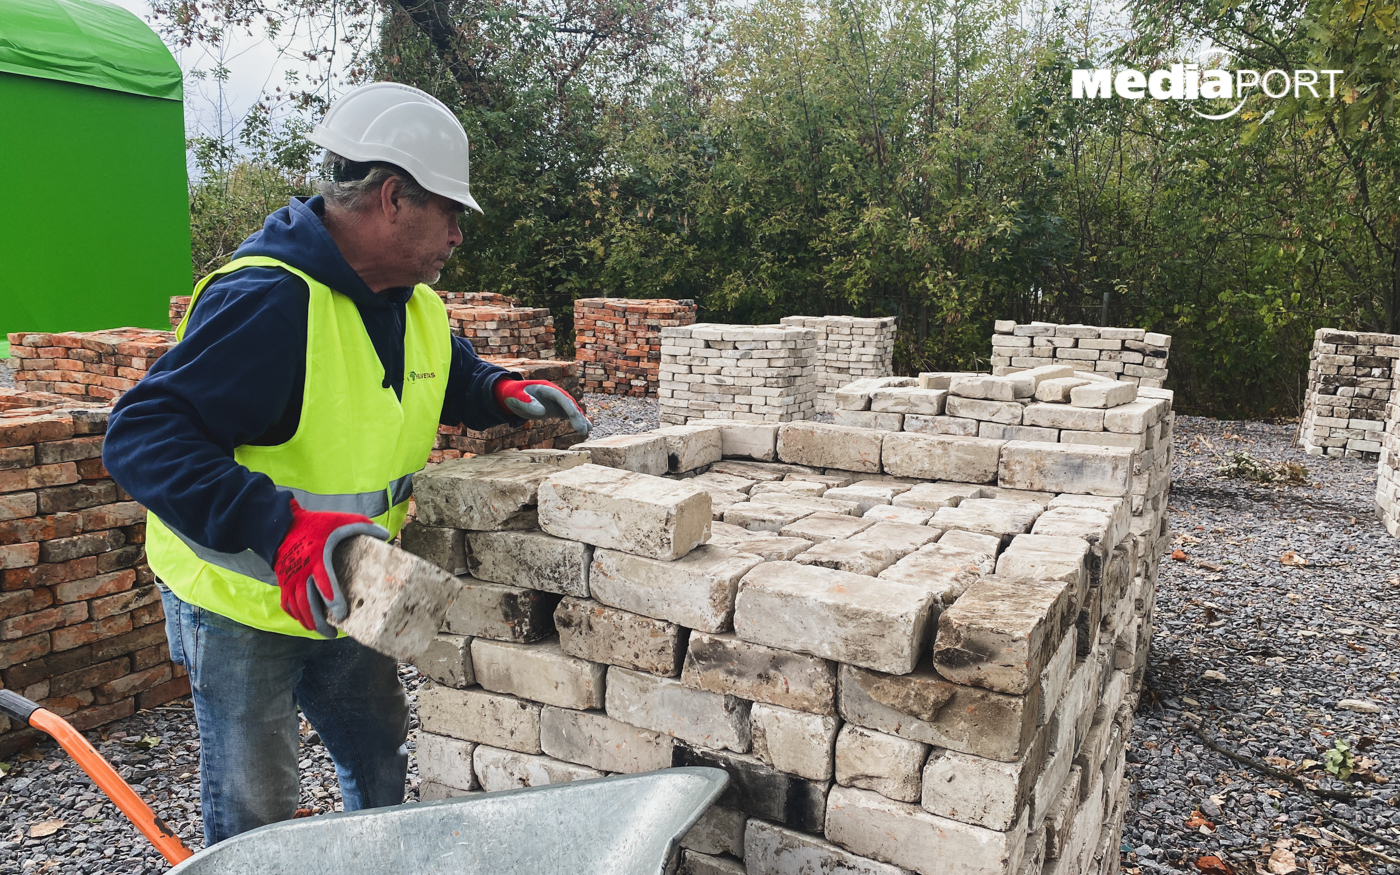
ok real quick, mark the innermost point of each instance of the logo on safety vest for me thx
(414, 376)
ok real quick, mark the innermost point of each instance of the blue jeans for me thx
(247, 686)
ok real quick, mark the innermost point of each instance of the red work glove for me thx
(539, 399)
(305, 573)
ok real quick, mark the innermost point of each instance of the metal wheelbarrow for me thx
(622, 825)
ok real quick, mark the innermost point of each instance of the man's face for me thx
(425, 237)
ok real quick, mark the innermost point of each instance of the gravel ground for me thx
(7, 379)
(1261, 654)
(620, 414)
(1290, 642)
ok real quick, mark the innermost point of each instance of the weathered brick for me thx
(88, 677)
(667, 706)
(760, 790)
(596, 632)
(42, 621)
(78, 546)
(106, 644)
(697, 590)
(24, 650)
(476, 715)
(131, 684)
(14, 556)
(60, 525)
(626, 511)
(160, 694)
(596, 740)
(77, 496)
(728, 665)
(48, 575)
(834, 614)
(538, 672)
(38, 477)
(94, 587)
(500, 612)
(24, 601)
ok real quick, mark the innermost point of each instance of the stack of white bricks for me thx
(1349, 386)
(760, 373)
(1388, 471)
(1052, 404)
(911, 653)
(848, 348)
(1130, 355)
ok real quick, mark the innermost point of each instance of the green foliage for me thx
(917, 158)
(1339, 760)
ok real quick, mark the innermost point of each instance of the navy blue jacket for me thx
(237, 379)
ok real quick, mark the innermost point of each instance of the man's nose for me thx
(454, 236)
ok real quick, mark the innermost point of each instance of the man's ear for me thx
(391, 198)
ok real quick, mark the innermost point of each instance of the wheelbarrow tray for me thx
(622, 825)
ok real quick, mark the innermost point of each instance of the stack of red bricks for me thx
(178, 306)
(81, 624)
(502, 330)
(618, 340)
(477, 299)
(89, 366)
(454, 441)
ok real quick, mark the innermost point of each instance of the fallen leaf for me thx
(1280, 762)
(1213, 865)
(1197, 819)
(1308, 764)
(146, 743)
(47, 828)
(1282, 862)
(1291, 558)
(1179, 555)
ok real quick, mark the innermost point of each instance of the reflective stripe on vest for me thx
(250, 564)
(356, 448)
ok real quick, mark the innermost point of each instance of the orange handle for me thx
(105, 777)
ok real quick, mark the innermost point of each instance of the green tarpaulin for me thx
(86, 42)
(95, 230)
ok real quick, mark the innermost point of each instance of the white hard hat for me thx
(399, 124)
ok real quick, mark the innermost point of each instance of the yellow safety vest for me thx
(355, 450)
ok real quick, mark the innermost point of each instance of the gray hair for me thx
(350, 185)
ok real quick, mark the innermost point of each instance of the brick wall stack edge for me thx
(81, 626)
(618, 341)
(1388, 471)
(1349, 386)
(912, 653)
(90, 366)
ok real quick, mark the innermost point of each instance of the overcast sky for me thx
(254, 64)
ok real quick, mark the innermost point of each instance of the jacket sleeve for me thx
(171, 439)
(469, 400)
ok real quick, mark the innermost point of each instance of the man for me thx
(311, 375)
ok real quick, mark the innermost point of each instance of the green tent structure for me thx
(95, 223)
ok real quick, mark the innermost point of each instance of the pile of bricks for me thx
(1052, 404)
(1130, 355)
(763, 373)
(454, 441)
(1349, 386)
(91, 365)
(909, 652)
(1388, 470)
(477, 299)
(618, 340)
(504, 330)
(81, 625)
(179, 305)
(848, 348)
